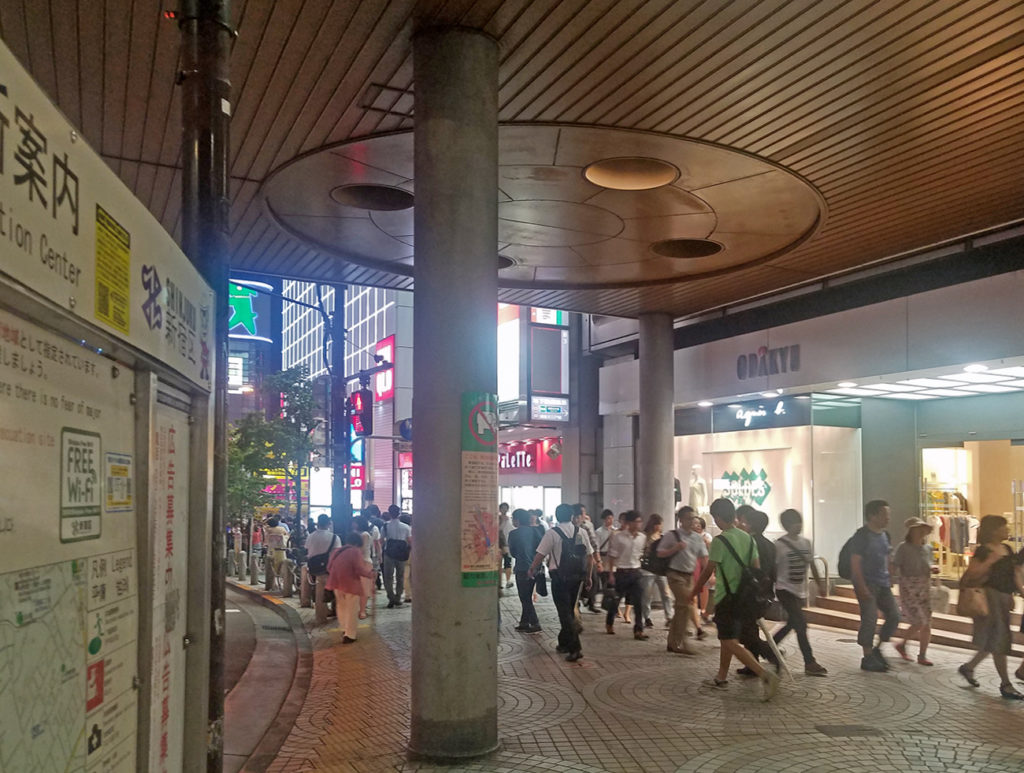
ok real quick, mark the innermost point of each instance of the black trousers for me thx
(627, 585)
(525, 585)
(565, 592)
(795, 621)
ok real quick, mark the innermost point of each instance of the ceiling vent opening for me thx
(686, 248)
(376, 198)
(631, 174)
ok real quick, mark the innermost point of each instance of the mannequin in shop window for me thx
(698, 490)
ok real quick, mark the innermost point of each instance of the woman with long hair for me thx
(994, 568)
(649, 580)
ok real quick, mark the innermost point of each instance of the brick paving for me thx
(632, 706)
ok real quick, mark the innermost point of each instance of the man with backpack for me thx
(733, 560)
(683, 547)
(397, 538)
(865, 560)
(570, 559)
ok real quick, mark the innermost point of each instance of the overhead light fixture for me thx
(975, 368)
(846, 384)
(705, 403)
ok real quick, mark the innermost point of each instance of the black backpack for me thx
(651, 562)
(754, 595)
(395, 549)
(844, 567)
(572, 561)
(317, 565)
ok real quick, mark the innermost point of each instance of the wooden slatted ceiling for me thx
(906, 115)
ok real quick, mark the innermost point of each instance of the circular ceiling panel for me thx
(579, 206)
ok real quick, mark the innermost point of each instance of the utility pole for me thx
(341, 448)
(206, 34)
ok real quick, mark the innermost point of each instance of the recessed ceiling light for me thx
(1016, 372)
(631, 174)
(769, 394)
(935, 383)
(909, 396)
(847, 384)
(705, 403)
(857, 392)
(947, 393)
(895, 387)
(975, 368)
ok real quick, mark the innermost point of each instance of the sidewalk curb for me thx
(268, 747)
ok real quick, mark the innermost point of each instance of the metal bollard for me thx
(320, 604)
(241, 559)
(254, 572)
(288, 578)
(268, 572)
(304, 588)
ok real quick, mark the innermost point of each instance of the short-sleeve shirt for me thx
(874, 550)
(685, 560)
(551, 543)
(728, 570)
(912, 560)
(395, 529)
(604, 538)
(275, 536)
(792, 556)
(627, 550)
(1001, 573)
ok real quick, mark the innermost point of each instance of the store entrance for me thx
(543, 498)
(962, 483)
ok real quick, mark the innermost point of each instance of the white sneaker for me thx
(770, 684)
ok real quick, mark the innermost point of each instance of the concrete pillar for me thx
(654, 457)
(454, 628)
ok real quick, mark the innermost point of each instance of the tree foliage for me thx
(283, 443)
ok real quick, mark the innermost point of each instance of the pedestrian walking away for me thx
(793, 557)
(523, 541)
(397, 538)
(732, 554)
(570, 559)
(651, 580)
(869, 556)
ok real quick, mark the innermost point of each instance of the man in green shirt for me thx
(730, 616)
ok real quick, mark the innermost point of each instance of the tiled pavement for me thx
(632, 706)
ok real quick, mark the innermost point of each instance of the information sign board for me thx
(480, 554)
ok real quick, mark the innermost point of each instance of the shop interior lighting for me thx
(705, 403)
(975, 368)
(934, 383)
(910, 396)
(846, 384)
(1016, 372)
(976, 378)
(989, 388)
(892, 387)
(947, 392)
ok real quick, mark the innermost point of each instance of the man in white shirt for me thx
(624, 552)
(570, 560)
(395, 556)
(683, 546)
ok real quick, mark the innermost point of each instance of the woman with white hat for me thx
(912, 564)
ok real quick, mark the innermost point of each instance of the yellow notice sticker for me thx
(113, 271)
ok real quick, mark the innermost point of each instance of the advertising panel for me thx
(68, 591)
(71, 231)
(169, 484)
(480, 554)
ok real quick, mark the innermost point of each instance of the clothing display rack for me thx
(954, 530)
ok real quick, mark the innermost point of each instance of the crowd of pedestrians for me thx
(739, 578)
(733, 581)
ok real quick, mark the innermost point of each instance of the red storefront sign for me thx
(357, 477)
(384, 382)
(532, 456)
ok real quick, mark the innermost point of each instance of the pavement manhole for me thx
(846, 731)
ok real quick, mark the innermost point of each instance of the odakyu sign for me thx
(768, 362)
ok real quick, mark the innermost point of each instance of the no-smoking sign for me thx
(479, 421)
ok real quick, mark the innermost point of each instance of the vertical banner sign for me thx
(480, 555)
(69, 575)
(169, 463)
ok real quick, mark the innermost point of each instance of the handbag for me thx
(317, 565)
(542, 584)
(972, 602)
(610, 599)
(775, 612)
